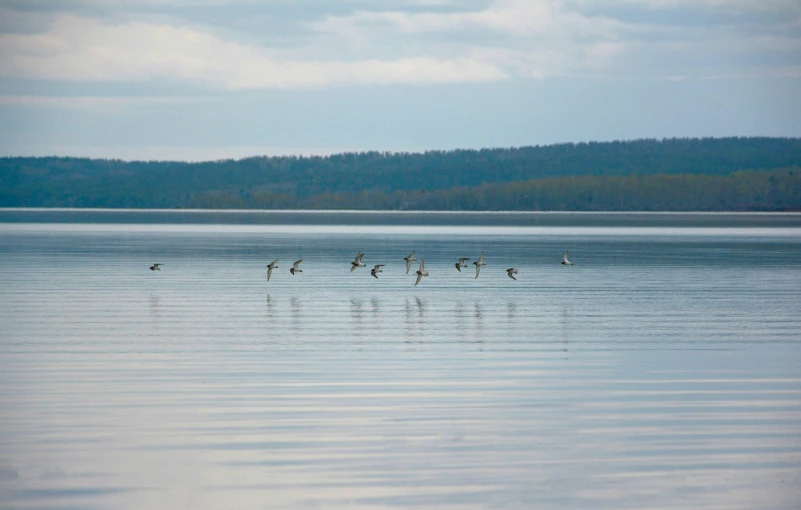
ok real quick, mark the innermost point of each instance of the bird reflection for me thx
(294, 305)
(270, 306)
(420, 308)
(479, 316)
(356, 312)
(459, 314)
(565, 329)
(511, 310)
(155, 306)
(414, 324)
(376, 308)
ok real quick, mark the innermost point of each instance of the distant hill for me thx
(365, 180)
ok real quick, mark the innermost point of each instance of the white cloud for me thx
(78, 48)
(498, 39)
(536, 38)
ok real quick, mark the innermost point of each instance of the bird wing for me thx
(296, 264)
(269, 272)
(481, 257)
(423, 265)
(564, 257)
(419, 277)
(458, 267)
(478, 269)
(359, 257)
(353, 266)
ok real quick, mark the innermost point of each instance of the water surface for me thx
(661, 371)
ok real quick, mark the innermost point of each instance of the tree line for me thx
(598, 175)
(773, 190)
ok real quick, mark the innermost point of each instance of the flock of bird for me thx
(421, 272)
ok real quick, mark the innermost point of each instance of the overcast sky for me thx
(211, 79)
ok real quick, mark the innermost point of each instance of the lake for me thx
(661, 371)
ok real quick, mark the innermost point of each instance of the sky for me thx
(215, 79)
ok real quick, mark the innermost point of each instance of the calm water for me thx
(663, 370)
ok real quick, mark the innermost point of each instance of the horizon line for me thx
(324, 153)
(378, 211)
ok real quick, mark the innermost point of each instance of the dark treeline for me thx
(774, 190)
(76, 182)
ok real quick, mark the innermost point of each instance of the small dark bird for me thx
(272, 265)
(358, 262)
(421, 272)
(479, 263)
(411, 258)
(295, 268)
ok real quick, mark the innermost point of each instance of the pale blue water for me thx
(663, 370)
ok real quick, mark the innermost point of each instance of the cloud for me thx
(534, 38)
(400, 41)
(746, 5)
(99, 104)
(78, 48)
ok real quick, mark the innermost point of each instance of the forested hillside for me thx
(775, 190)
(671, 174)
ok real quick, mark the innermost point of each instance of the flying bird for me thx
(566, 262)
(511, 272)
(462, 263)
(411, 258)
(478, 263)
(358, 262)
(421, 272)
(272, 265)
(156, 267)
(296, 267)
(377, 269)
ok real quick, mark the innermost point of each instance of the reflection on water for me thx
(565, 328)
(511, 311)
(658, 373)
(271, 306)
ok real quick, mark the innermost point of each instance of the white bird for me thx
(511, 272)
(358, 262)
(478, 263)
(296, 267)
(376, 270)
(411, 258)
(462, 263)
(272, 265)
(421, 272)
(566, 262)
(156, 267)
